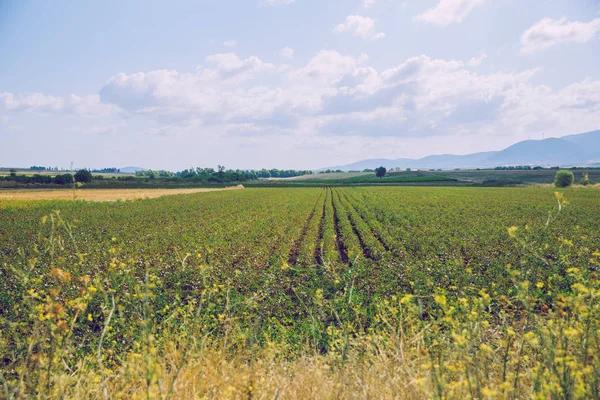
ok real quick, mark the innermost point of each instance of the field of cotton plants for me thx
(361, 292)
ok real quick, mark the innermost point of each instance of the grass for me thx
(384, 292)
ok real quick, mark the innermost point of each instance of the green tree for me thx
(83, 176)
(221, 171)
(585, 179)
(13, 172)
(64, 179)
(380, 172)
(564, 178)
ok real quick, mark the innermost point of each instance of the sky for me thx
(285, 84)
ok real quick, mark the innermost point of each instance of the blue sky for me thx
(289, 83)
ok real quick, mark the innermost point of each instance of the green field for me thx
(544, 176)
(406, 292)
(487, 177)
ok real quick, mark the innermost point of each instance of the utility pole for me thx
(71, 165)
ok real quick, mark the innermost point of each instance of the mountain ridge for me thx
(582, 149)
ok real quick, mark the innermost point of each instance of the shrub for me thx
(64, 179)
(564, 178)
(83, 176)
(585, 180)
(41, 179)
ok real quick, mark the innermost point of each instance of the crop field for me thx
(446, 177)
(99, 194)
(344, 292)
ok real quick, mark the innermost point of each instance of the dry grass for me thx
(95, 195)
(218, 375)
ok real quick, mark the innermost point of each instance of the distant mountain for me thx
(574, 150)
(589, 140)
(131, 170)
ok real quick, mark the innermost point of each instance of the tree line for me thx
(221, 174)
(195, 175)
(81, 176)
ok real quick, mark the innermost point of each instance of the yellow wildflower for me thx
(406, 299)
(440, 299)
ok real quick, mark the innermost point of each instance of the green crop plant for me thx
(386, 292)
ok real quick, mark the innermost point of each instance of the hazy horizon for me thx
(300, 84)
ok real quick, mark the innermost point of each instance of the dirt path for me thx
(100, 194)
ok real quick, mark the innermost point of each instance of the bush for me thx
(41, 179)
(585, 180)
(83, 176)
(64, 179)
(564, 178)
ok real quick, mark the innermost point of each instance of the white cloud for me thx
(332, 96)
(287, 52)
(229, 65)
(338, 95)
(230, 43)
(368, 3)
(448, 12)
(549, 32)
(477, 61)
(39, 103)
(328, 66)
(360, 26)
(300, 116)
(272, 3)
